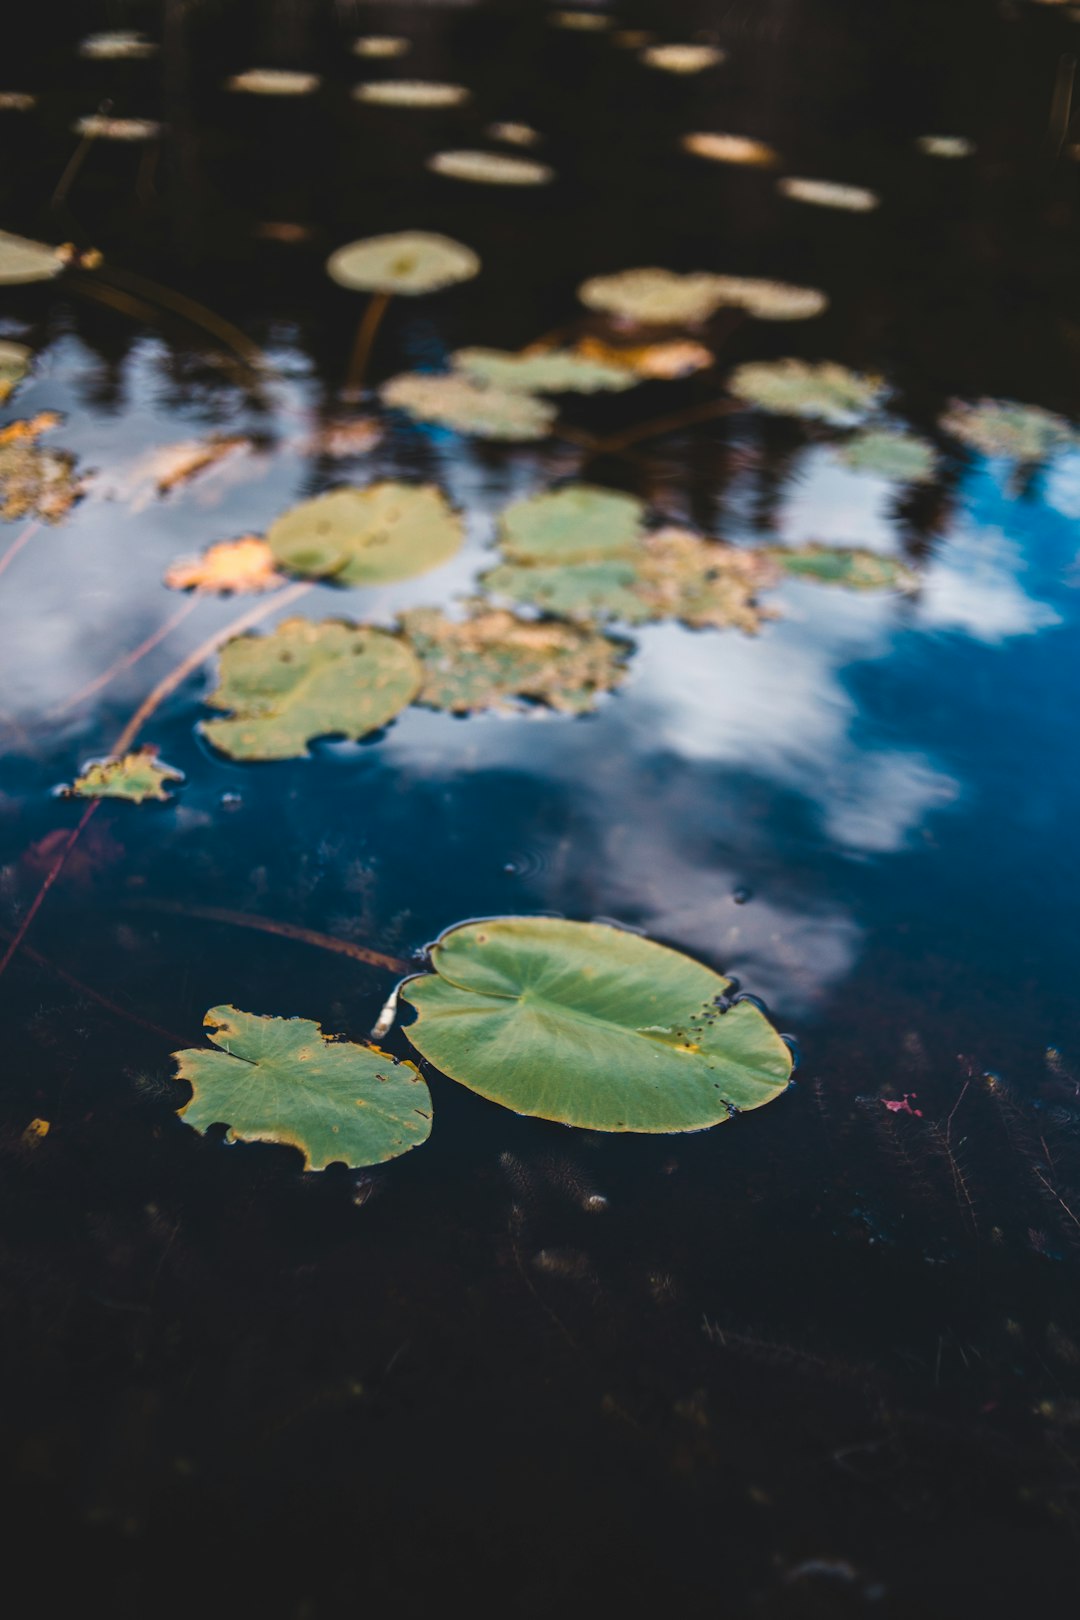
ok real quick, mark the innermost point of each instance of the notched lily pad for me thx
(1000, 427)
(137, 776)
(452, 401)
(890, 454)
(406, 263)
(411, 93)
(372, 536)
(241, 567)
(579, 523)
(823, 389)
(22, 260)
(546, 371)
(307, 680)
(590, 1026)
(492, 660)
(15, 362)
(828, 194)
(856, 569)
(35, 482)
(490, 168)
(282, 1080)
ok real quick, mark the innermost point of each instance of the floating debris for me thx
(137, 776)
(411, 93)
(450, 400)
(823, 390)
(739, 149)
(406, 263)
(384, 532)
(828, 194)
(659, 361)
(241, 567)
(490, 169)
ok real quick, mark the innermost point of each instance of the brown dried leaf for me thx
(240, 567)
(34, 482)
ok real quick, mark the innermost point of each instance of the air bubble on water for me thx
(231, 801)
(741, 896)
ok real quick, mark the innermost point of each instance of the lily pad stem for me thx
(17, 544)
(192, 310)
(365, 339)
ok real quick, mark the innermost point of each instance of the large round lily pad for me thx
(23, 260)
(577, 524)
(282, 1080)
(307, 680)
(453, 401)
(406, 262)
(590, 1026)
(546, 371)
(371, 536)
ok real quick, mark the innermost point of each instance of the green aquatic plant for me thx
(1001, 427)
(492, 660)
(823, 389)
(858, 570)
(576, 524)
(542, 371)
(282, 1080)
(890, 453)
(371, 536)
(590, 1026)
(137, 776)
(453, 401)
(306, 680)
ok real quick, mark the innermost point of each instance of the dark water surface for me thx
(823, 1361)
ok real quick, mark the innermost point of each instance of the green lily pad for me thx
(492, 658)
(136, 776)
(824, 390)
(15, 361)
(22, 260)
(587, 1025)
(654, 297)
(307, 680)
(283, 1080)
(890, 454)
(551, 371)
(369, 536)
(1000, 427)
(586, 592)
(835, 565)
(405, 263)
(455, 402)
(580, 523)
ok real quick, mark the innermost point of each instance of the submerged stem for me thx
(269, 925)
(193, 311)
(17, 544)
(126, 662)
(365, 339)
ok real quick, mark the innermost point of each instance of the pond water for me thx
(825, 1360)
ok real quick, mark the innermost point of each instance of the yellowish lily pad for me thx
(740, 149)
(137, 776)
(381, 47)
(823, 389)
(682, 58)
(22, 260)
(273, 82)
(411, 93)
(371, 536)
(544, 371)
(828, 194)
(406, 263)
(450, 400)
(490, 168)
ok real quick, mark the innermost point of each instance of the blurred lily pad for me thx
(771, 300)
(739, 149)
(580, 523)
(837, 565)
(682, 58)
(406, 263)
(307, 680)
(381, 47)
(453, 401)
(581, 22)
(1000, 427)
(945, 146)
(273, 82)
(661, 361)
(283, 1080)
(35, 482)
(15, 362)
(490, 168)
(828, 194)
(102, 128)
(545, 371)
(17, 101)
(890, 453)
(22, 260)
(585, 592)
(590, 1026)
(120, 45)
(411, 93)
(136, 776)
(492, 660)
(387, 531)
(242, 567)
(515, 134)
(653, 297)
(823, 389)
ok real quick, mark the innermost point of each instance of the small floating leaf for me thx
(582, 22)
(490, 169)
(890, 454)
(515, 134)
(15, 361)
(835, 565)
(828, 194)
(545, 371)
(406, 262)
(283, 1080)
(590, 1026)
(273, 82)
(136, 776)
(945, 146)
(16, 101)
(117, 129)
(1001, 427)
(577, 524)
(371, 536)
(35, 482)
(771, 300)
(22, 260)
(731, 149)
(307, 680)
(654, 297)
(824, 390)
(682, 58)
(662, 361)
(411, 93)
(455, 402)
(381, 46)
(492, 658)
(120, 45)
(241, 567)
